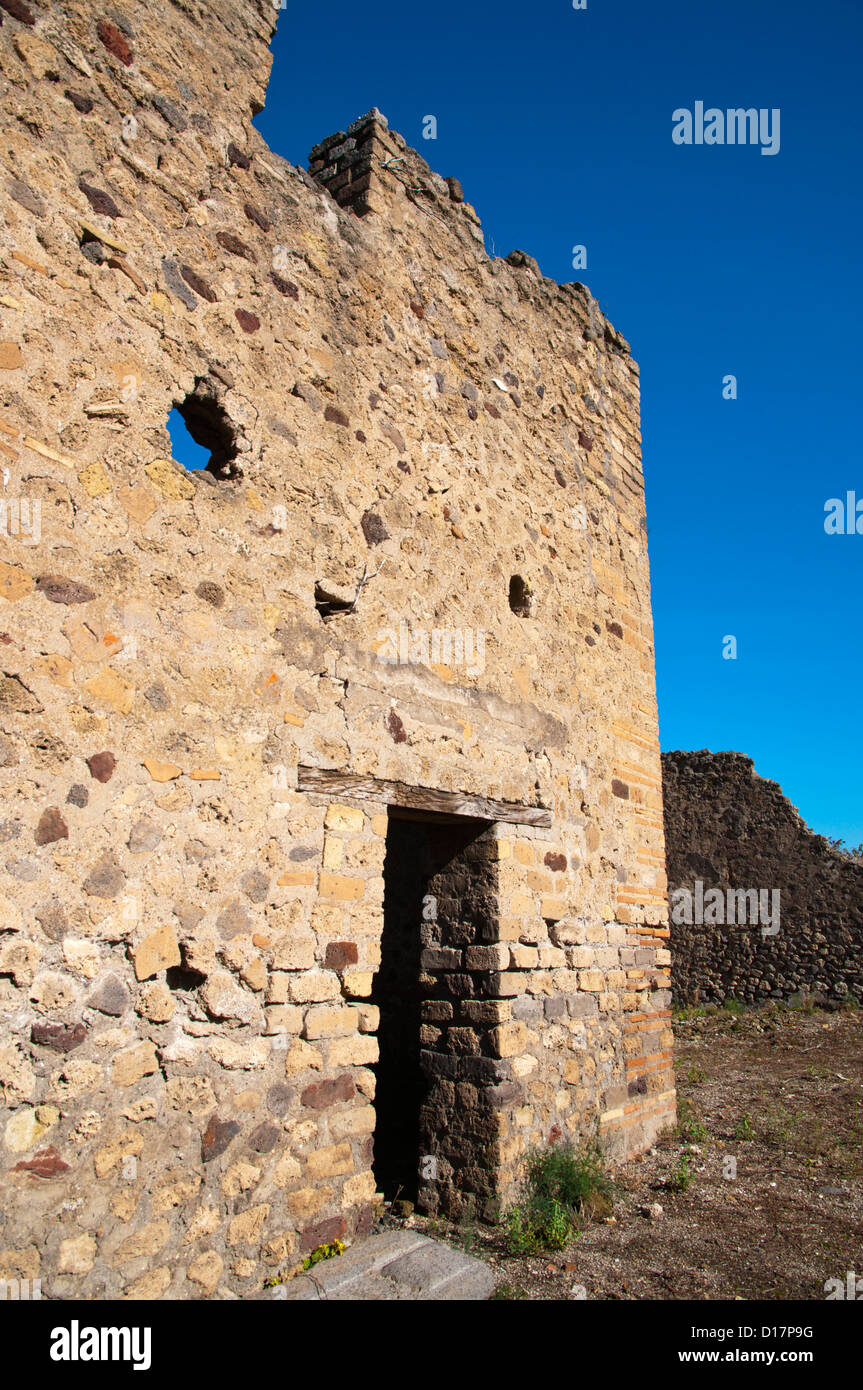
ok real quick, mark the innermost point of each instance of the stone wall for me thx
(726, 827)
(417, 558)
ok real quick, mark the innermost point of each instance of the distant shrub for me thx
(849, 851)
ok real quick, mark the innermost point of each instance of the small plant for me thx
(684, 1012)
(681, 1176)
(780, 1126)
(541, 1224)
(688, 1127)
(803, 1001)
(744, 1129)
(562, 1185)
(323, 1252)
(507, 1291)
(696, 1075)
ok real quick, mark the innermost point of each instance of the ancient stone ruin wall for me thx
(413, 580)
(729, 828)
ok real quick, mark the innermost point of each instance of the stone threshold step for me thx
(395, 1265)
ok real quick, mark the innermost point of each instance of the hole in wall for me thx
(329, 603)
(520, 597)
(184, 978)
(192, 456)
(203, 437)
(92, 248)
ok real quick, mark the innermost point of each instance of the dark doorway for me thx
(439, 900)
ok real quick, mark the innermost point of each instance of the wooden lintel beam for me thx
(333, 783)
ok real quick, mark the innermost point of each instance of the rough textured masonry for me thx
(729, 828)
(332, 765)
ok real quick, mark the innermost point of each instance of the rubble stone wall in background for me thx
(726, 827)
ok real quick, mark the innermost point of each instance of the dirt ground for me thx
(780, 1093)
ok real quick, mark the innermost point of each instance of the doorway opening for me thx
(435, 1133)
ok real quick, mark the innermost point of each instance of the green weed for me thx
(681, 1176)
(688, 1127)
(744, 1129)
(562, 1184)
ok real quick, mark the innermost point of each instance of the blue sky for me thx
(711, 260)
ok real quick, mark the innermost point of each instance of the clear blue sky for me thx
(712, 260)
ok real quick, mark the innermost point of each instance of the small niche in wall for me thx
(521, 599)
(330, 601)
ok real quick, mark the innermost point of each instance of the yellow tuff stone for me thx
(94, 480)
(156, 952)
(10, 357)
(113, 689)
(170, 480)
(137, 1062)
(137, 502)
(343, 818)
(162, 772)
(14, 582)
